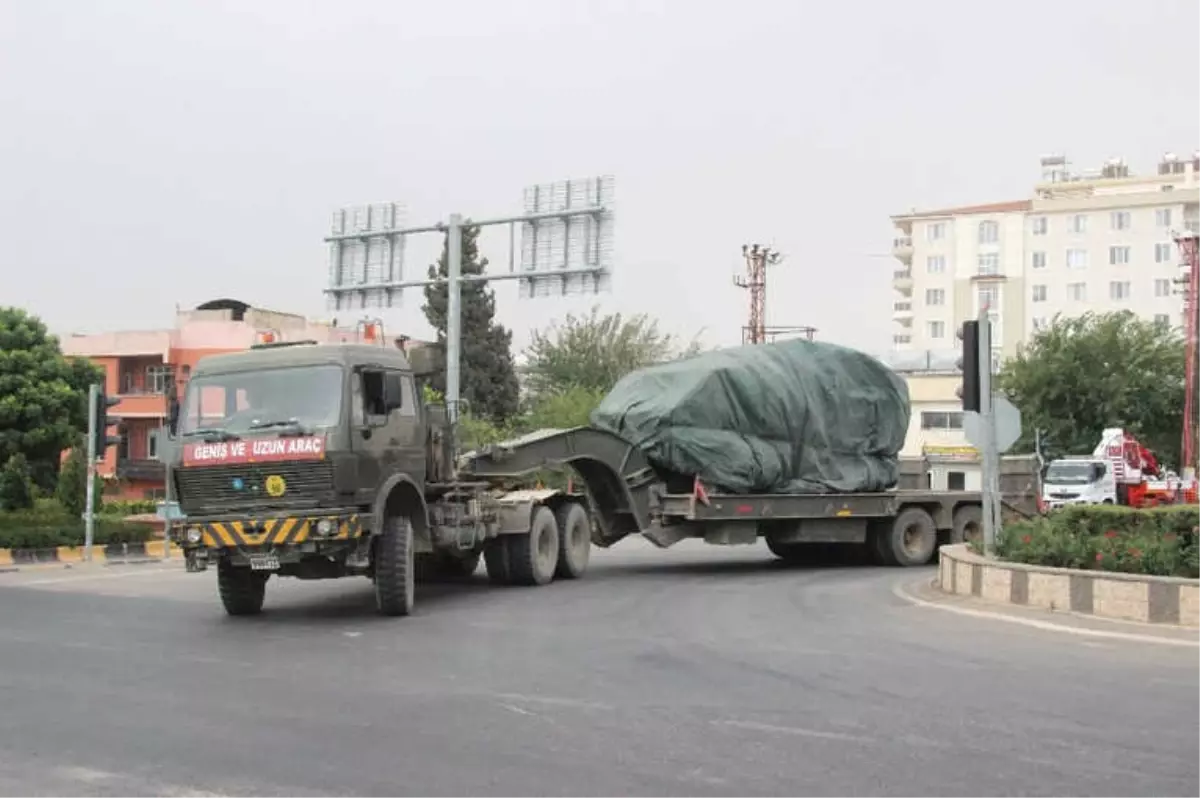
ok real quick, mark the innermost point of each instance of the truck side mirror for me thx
(393, 391)
(172, 414)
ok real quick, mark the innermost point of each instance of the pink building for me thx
(139, 365)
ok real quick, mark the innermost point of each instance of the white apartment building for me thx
(1098, 241)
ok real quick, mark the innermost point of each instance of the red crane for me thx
(1187, 243)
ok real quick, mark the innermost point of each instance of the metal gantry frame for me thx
(452, 228)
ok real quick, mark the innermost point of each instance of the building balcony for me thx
(902, 248)
(902, 280)
(141, 469)
(988, 276)
(902, 312)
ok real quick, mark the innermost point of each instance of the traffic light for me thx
(101, 440)
(968, 364)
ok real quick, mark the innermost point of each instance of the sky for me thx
(155, 155)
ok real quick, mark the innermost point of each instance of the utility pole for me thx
(89, 517)
(989, 458)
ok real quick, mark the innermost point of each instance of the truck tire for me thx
(910, 540)
(533, 556)
(395, 570)
(967, 524)
(495, 557)
(242, 590)
(790, 553)
(574, 540)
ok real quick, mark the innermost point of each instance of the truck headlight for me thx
(325, 527)
(194, 534)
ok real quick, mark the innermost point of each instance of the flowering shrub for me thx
(1160, 541)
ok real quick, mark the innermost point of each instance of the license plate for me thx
(264, 562)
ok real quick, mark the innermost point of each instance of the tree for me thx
(16, 487)
(43, 395)
(592, 352)
(488, 378)
(71, 490)
(1084, 374)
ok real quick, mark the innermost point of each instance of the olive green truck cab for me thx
(321, 461)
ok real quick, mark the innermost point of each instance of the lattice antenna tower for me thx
(1190, 282)
(756, 331)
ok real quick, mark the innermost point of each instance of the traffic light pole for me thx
(989, 456)
(89, 517)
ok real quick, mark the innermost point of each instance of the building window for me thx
(956, 480)
(989, 263)
(935, 296)
(158, 378)
(989, 297)
(1039, 293)
(1163, 319)
(1120, 220)
(941, 419)
(1162, 253)
(1039, 225)
(937, 329)
(901, 339)
(1038, 260)
(1162, 287)
(152, 444)
(989, 232)
(935, 264)
(935, 231)
(1118, 290)
(1162, 217)
(1077, 258)
(1118, 256)
(127, 382)
(1040, 323)
(1078, 223)
(1077, 292)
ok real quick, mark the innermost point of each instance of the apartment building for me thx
(140, 366)
(1095, 241)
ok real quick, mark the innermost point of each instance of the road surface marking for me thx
(793, 730)
(900, 592)
(519, 711)
(66, 579)
(551, 701)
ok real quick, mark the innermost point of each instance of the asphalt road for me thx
(698, 671)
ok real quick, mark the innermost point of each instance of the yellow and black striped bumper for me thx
(252, 532)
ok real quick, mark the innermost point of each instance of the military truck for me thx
(321, 461)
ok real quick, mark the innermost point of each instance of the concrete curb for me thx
(1125, 597)
(66, 556)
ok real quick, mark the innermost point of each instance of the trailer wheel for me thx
(495, 557)
(395, 569)
(967, 524)
(533, 556)
(242, 590)
(790, 553)
(574, 540)
(911, 539)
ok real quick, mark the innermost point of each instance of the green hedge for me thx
(124, 507)
(45, 526)
(1161, 541)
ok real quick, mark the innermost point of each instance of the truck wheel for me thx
(574, 540)
(790, 553)
(967, 524)
(911, 539)
(395, 571)
(495, 557)
(533, 557)
(242, 590)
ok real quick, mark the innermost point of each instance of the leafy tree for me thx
(16, 487)
(592, 352)
(43, 395)
(1084, 374)
(71, 490)
(571, 408)
(488, 378)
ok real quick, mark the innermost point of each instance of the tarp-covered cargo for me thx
(791, 417)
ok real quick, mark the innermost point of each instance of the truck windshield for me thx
(273, 399)
(1070, 473)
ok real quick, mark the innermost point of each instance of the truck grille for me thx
(229, 488)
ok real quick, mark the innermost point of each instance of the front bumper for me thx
(276, 531)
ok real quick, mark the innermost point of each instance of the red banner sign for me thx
(255, 450)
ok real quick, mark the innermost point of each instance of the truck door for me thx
(393, 442)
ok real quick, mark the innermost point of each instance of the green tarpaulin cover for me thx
(791, 417)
